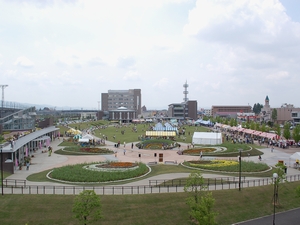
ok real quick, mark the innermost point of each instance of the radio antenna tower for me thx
(185, 92)
(2, 103)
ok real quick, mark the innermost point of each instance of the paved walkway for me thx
(41, 161)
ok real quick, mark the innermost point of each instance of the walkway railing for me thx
(208, 181)
(15, 183)
(220, 184)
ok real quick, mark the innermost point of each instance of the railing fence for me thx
(157, 186)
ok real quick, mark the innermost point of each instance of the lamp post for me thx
(240, 169)
(1, 170)
(275, 176)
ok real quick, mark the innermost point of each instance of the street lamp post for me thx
(240, 169)
(275, 176)
(1, 170)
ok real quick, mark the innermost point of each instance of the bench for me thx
(171, 162)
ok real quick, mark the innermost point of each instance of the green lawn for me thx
(232, 206)
(129, 134)
(155, 170)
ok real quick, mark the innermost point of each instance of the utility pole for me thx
(2, 104)
(98, 114)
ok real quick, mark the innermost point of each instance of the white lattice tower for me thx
(185, 92)
(2, 104)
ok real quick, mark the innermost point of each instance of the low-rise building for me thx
(229, 110)
(185, 110)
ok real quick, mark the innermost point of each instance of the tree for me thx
(87, 207)
(296, 133)
(274, 115)
(205, 118)
(257, 108)
(226, 121)
(286, 131)
(277, 129)
(201, 202)
(231, 122)
(263, 127)
(281, 172)
(235, 122)
(252, 125)
(257, 127)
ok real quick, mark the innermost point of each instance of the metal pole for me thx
(1, 171)
(240, 171)
(274, 212)
(275, 176)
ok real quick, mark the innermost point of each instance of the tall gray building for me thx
(130, 99)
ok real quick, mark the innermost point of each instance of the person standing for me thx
(27, 165)
(124, 151)
(132, 146)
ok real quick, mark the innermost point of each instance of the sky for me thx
(230, 52)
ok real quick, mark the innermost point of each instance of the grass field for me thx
(232, 206)
(129, 134)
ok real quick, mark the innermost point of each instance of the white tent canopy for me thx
(207, 138)
(87, 136)
(83, 140)
(295, 156)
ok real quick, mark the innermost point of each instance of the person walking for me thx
(124, 151)
(49, 151)
(27, 165)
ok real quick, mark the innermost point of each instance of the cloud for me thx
(41, 4)
(96, 62)
(132, 76)
(24, 62)
(11, 72)
(162, 83)
(126, 62)
(280, 75)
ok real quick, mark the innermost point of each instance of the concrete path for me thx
(41, 161)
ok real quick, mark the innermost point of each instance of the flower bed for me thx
(198, 151)
(117, 165)
(96, 150)
(157, 144)
(227, 165)
(89, 172)
(113, 166)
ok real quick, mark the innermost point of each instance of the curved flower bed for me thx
(76, 150)
(198, 151)
(113, 166)
(96, 150)
(79, 172)
(227, 165)
(213, 151)
(157, 144)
